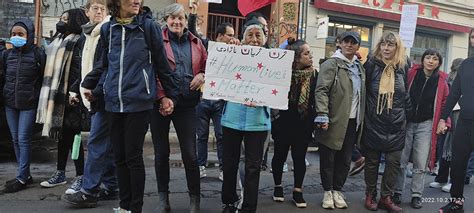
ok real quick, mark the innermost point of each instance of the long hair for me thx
(454, 69)
(400, 57)
(114, 7)
(295, 45)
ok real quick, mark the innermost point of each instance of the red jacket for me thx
(440, 101)
(198, 54)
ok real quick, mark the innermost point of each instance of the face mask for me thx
(61, 27)
(18, 41)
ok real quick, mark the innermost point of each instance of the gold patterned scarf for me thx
(300, 89)
(386, 87)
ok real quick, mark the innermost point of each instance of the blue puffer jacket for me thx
(133, 62)
(240, 117)
(23, 72)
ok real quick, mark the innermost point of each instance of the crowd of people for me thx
(112, 70)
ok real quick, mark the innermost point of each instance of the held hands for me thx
(88, 94)
(166, 106)
(197, 81)
(442, 128)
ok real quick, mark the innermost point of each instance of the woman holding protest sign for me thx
(292, 127)
(252, 128)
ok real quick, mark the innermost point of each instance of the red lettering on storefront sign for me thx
(421, 9)
(388, 5)
(435, 12)
(375, 3)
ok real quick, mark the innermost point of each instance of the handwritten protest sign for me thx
(246, 74)
(408, 24)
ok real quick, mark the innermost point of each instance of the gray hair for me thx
(253, 26)
(173, 9)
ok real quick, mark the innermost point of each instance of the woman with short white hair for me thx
(252, 129)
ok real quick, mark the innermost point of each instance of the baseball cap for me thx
(352, 34)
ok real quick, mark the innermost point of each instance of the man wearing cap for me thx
(340, 104)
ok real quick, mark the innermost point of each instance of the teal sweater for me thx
(240, 117)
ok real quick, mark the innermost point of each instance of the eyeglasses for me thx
(96, 9)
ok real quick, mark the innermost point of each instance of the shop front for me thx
(440, 27)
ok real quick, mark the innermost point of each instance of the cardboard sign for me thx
(248, 74)
(408, 24)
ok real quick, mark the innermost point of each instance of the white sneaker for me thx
(339, 201)
(120, 210)
(221, 175)
(75, 186)
(436, 185)
(202, 171)
(328, 200)
(446, 188)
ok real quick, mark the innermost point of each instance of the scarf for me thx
(51, 52)
(300, 89)
(53, 113)
(125, 21)
(92, 34)
(386, 88)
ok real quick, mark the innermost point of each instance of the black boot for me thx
(164, 203)
(194, 203)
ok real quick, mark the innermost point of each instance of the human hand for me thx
(234, 41)
(250, 104)
(442, 128)
(323, 126)
(194, 6)
(88, 94)
(73, 99)
(197, 81)
(166, 106)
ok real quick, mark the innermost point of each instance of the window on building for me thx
(335, 28)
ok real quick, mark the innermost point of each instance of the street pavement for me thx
(37, 199)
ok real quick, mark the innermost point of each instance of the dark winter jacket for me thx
(385, 132)
(133, 58)
(462, 91)
(23, 75)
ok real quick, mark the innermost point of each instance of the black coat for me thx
(23, 72)
(385, 132)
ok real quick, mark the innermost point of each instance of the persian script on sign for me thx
(248, 74)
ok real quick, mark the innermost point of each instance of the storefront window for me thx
(427, 41)
(336, 28)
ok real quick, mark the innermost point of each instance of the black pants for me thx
(335, 164)
(184, 121)
(290, 133)
(463, 144)
(253, 142)
(443, 171)
(127, 133)
(65, 146)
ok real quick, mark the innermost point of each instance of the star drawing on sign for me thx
(213, 83)
(238, 76)
(274, 92)
(259, 65)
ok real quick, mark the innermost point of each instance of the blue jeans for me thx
(100, 165)
(205, 111)
(417, 145)
(470, 166)
(21, 124)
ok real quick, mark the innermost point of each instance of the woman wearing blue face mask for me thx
(23, 66)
